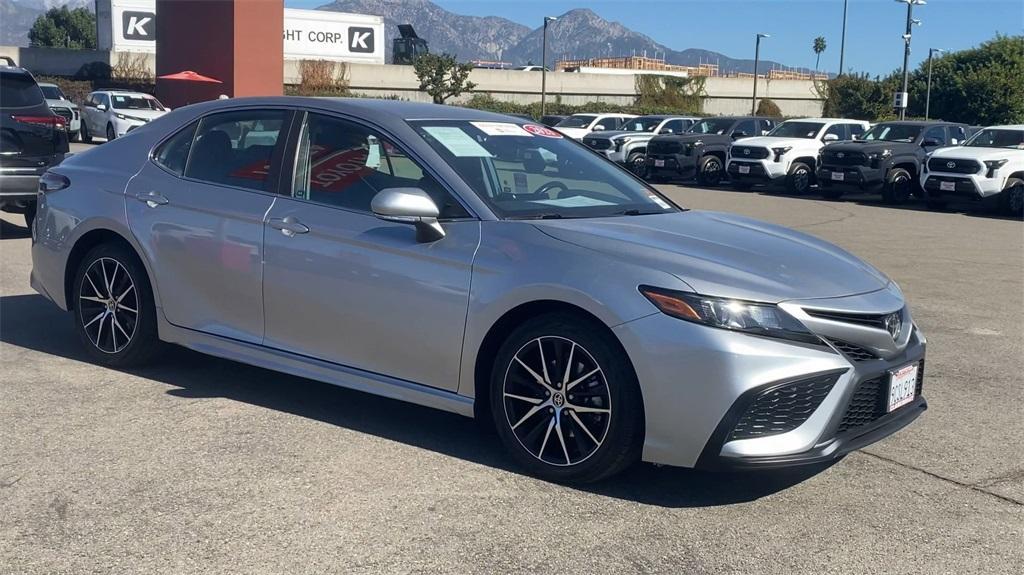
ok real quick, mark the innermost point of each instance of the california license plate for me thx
(947, 186)
(838, 176)
(659, 163)
(744, 169)
(902, 386)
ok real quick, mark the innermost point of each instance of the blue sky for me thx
(873, 34)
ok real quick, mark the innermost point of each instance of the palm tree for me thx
(819, 47)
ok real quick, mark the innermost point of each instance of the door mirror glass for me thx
(409, 206)
(101, 107)
(830, 138)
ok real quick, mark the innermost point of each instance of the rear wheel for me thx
(710, 171)
(114, 313)
(798, 180)
(1012, 198)
(898, 187)
(565, 402)
(110, 133)
(86, 136)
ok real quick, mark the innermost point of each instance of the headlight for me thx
(120, 116)
(736, 315)
(621, 142)
(992, 166)
(779, 152)
(875, 158)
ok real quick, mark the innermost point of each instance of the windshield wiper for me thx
(549, 216)
(635, 212)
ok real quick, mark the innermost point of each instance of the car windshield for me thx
(530, 171)
(807, 130)
(997, 138)
(576, 121)
(52, 93)
(18, 91)
(712, 126)
(893, 133)
(125, 102)
(642, 124)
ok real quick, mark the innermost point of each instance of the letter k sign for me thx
(138, 25)
(360, 39)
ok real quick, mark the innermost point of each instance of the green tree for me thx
(442, 76)
(63, 28)
(819, 47)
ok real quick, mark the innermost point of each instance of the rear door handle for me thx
(152, 199)
(289, 226)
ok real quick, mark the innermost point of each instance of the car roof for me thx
(1006, 127)
(923, 123)
(48, 85)
(827, 120)
(122, 93)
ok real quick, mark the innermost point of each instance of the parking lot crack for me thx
(972, 486)
(845, 216)
(1014, 475)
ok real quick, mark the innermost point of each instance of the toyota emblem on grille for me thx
(893, 324)
(950, 164)
(746, 151)
(840, 155)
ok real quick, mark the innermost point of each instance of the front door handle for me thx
(152, 199)
(289, 225)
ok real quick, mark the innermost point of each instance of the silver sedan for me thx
(482, 265)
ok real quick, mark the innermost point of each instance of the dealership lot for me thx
(200, 464)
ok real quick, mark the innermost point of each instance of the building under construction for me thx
(635, 63)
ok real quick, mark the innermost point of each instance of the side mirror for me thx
(930, 143)
(409, 206)
(830, 138)
(599, 128)
(101, 107)
(739, 134)
(666, 131)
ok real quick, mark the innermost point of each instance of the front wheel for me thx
(110, 133)
(710, 171)
(565, 401)
(1012, 201)
(114, 312)
(637, 163)
(898, 187)
(86, 136)
(798, 180)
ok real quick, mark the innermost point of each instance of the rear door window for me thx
(746, 127)
(855, 130)
(173, 154)
(237, 148)
(838, 129)
(937, 133)
(19, 91)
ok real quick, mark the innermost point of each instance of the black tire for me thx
(86, 136)
(601, 441)
(710, 170)
(799, 179)
(637, 163)
(1011, 199)
(830, 192)
(110, 133)
(30, 215)
(899, 186)
(102, 262)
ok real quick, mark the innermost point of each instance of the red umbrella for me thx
(190, 76)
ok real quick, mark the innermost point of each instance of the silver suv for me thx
(627, 146)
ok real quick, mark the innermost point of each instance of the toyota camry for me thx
(483, 265)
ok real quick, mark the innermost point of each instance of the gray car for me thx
(482, 265)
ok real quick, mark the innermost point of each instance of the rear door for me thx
(31, 135)
(197, 210)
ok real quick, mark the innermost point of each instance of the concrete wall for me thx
(724, 95)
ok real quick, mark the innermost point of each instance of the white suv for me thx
(578, 125)
(990, 163)
(789, 153)
(114, 113)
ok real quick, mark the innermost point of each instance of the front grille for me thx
(63, 113)
(783, 408)
(749, 152)
(869, 400)
(656, 147)
(854, 352)
(844, 159)
(953, 166)
(598, 143)
(876, 321)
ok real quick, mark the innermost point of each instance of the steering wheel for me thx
(549, 187)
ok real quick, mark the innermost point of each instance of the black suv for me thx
(888, 156)
(701, 150)
(32, 139)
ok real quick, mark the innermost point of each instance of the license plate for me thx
(902, 385)
(659, 163)
(743, 169)
(838, 176)
(947, 186)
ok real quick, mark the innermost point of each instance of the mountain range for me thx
(17, 16)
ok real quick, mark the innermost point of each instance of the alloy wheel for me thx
(1015, 200)
(108, 305)
(901, 188)
(801, 180)
(639, 165)
(712, 171)
(557, 401)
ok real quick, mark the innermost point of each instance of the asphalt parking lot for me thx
(204, 465)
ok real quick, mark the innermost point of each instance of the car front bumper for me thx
(675, 164)
(970, 186)
(862, 177)
(122, 127)
(762, 171)
(697, 382)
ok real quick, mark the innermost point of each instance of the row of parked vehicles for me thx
(933, 160)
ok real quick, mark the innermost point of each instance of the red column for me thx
(238, 42)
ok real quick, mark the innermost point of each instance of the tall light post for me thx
(842, 43)
(757, 58)
(928, 97)
(905, 97)
(544, 66)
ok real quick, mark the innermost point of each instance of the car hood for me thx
(706, 138)
(773, 142)
(144, 114)
(61, 104)
(972, 153)
(609, 134)
(872, 146)
(725, 255)
(574, 133)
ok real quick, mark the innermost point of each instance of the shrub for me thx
(321, 78)
(768, 108)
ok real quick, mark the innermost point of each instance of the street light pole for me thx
(757, 58)
(544, 67)
(842, 43)
(906, 52)
(928, 97)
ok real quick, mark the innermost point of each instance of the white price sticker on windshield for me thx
(656, 199)
(501, 129)
(459, 143)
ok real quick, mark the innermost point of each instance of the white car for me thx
(63, 107)
(578, 125)
(114, 113)
(789, 153)
(990, 163)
